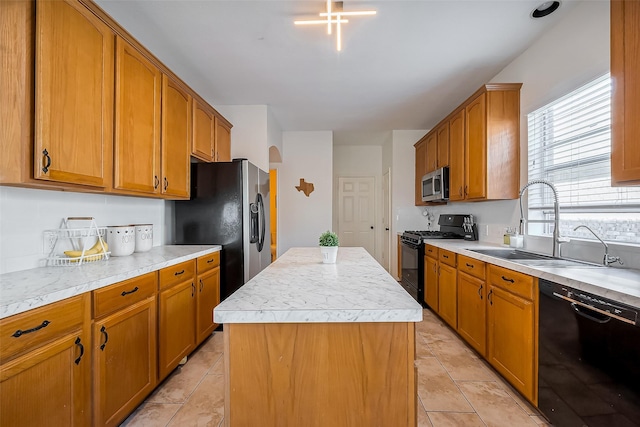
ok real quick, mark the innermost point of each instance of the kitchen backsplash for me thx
(26, 213)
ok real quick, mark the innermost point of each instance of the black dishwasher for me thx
(589, 359)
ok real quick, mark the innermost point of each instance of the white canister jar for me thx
(144, 237)
(121, 239)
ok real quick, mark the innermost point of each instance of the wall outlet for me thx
(48, 242)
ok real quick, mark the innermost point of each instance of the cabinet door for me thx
(457, 156)
(421, 169)
(176, 139)
(625, 103)
(202, 142)
(223, 141)
(125, 354)
(137, 143)
(432, 152)
(472, 312)
(510, 332)
(443, 145)
(447, 294)
(208, 298)
(74, 95)
(177, 329)
(431, 283)
(476, 149)
(50, 386)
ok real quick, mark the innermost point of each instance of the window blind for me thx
(570, 146)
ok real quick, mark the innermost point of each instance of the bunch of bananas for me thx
(96, 250)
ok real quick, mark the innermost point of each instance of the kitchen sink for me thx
(534, 260)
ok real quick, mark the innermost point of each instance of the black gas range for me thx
(412, 246)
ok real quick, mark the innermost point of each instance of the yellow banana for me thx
(95, 249)
(76, 254)
(98, 247)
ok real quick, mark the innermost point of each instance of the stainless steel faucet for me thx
(608, 259)
(556, 215)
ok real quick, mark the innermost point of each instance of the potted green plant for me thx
(329, 247)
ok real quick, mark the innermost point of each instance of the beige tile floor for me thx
(455, 387)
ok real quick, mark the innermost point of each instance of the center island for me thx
(313, 344)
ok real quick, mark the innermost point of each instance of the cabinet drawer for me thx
(431, 251)
(447, 257)
(177, 273)
(123, 294)
(208, 262)
(26, 331)
(512, 281)
(471, 266)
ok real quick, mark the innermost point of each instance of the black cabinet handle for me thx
(77, 361)
(45, 168)
(20, 332)
(129, 292)
(210, 261)
(177, 273)
(489, 297)
(480, 291)
(193, 289)
(166, 183)
(156, 182)
(106, 337)
(469, 265)
(445, 256)
(507, 279)
(201, 285)
(460, 191)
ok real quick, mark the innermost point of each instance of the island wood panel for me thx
(320, 374)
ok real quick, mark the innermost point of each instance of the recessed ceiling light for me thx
(546, 8)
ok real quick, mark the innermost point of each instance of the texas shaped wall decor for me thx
(305, 187)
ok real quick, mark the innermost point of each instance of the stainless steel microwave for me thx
(435, 185)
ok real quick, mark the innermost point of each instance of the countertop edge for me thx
(318, 316)
(161, 258)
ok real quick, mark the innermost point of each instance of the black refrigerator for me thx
(229, 206)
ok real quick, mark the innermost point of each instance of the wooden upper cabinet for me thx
(202, 142)
(476, 149)
(223, 140)
(625, 106)
(443, 145)
(456, 154)
(73, 95)
(176, 139)
(432, 152)
(421, 169)
(137, 142)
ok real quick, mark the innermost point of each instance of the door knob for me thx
(372, 227)
(386, 228)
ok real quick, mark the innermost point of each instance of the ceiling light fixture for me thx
(546, 8)
(334, 15)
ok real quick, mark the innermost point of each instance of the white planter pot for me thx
(121, 239)
(329, 254)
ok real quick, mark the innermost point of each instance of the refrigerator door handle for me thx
(253, 222)
(260, 204)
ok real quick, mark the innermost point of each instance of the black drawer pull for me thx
(129, 292)
(77, 361)
(469, 265)
(177, 273)
(445, 256)
(106, 337)
(20, 332)
(507, 279)
(210, 261)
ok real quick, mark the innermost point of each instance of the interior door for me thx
(356, 214)
(386, 220)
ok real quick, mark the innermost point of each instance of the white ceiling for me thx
(404, 68)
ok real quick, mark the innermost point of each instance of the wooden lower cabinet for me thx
(511, 339)
(47, 382)
(447, 294)
(431, 283)
(208, 298)
(176, 325)
(472, 311)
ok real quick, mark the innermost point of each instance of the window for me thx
(570, 146)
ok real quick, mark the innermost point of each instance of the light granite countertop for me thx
(299, 288)
(618, 284)
(24, 290)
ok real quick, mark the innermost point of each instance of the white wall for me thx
(26, 213)
(309, 155)
(274, 133)
(249, 135)
(360, 161)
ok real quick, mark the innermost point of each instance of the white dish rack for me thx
(78, 239)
